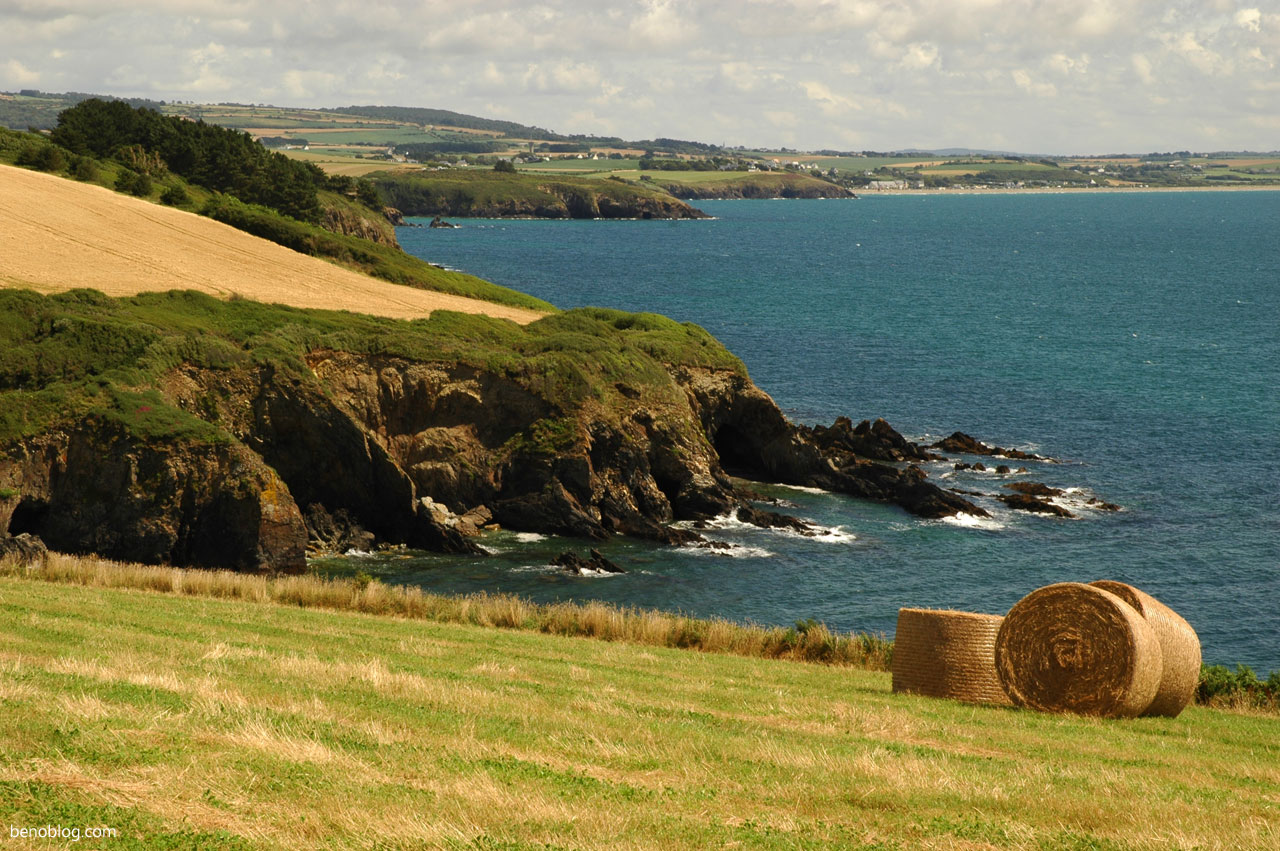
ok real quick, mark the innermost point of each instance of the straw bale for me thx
(1179, 648)
(1071, 647)
(947, 654)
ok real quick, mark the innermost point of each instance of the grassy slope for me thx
(484, 187)
(174, 719)
(380, 261)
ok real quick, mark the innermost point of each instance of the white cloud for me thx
(831, 103)
(1250, 19)
(17, 75)
(1024, 81)
(1142, 67)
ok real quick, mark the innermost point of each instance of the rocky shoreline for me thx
(381, 450)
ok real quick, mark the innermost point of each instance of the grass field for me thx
(196, 723)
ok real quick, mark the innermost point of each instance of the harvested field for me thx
(56, 235)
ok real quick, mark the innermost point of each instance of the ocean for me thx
(1136, 336)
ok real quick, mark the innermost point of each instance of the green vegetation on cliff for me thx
(198, 723)
(80, 354)
(488, 193)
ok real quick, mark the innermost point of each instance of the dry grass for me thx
(61, 234)
(812, 643)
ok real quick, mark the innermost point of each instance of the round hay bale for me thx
(947, 654)
(1071, 647)
(1179, 648)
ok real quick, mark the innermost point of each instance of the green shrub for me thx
(84, 168)
(42, 156)
(142, 186)
(175, 196)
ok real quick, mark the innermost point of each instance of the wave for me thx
(817, 532)
(973, 521)
(729, 550)
(529, 537)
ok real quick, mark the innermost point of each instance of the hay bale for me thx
(1071, 647)
(1179, 648)
(947, 654)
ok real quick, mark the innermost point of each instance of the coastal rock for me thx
(22, 549)
(595, 562)
(964, 444)
(1034, 504)
(1035, 489)
(874, 440)
(96, 489)
(347, 221)
(438, 222)
(773, 520)
(752, 438)
(335, 533)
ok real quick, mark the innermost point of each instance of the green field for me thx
(185, 722)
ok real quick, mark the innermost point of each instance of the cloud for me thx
(1250, 19)
(14, 73)
(887, 73)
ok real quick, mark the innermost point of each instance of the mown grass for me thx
(188, 722)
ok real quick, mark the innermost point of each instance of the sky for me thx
(1032, 76)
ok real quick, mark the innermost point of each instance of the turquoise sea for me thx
(1137, 336)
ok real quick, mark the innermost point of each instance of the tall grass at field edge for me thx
(808, 641)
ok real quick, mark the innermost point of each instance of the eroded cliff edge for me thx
(177, 428)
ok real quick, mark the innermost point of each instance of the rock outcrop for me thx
(96, 489)
(353, 221)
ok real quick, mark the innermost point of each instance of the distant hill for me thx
(30, 108)
(448, 118)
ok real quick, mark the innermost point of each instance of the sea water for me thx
(1136, 336)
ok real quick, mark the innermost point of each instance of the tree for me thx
(505, 166)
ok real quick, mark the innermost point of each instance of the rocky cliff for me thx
(759, 186)
(484, 193)
(176, 428)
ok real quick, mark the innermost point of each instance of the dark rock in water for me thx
(438, 222)
(963, 465)
(772, 520)
(1094, 502)
(966, 493)
(979, 467)
(1036, 505)
(595, 563)
(874, 440)
(24, 549)
(337, 533)
(1035, 489)
(966, 445)
(1003, 470)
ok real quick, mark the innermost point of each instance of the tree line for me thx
(214, 157)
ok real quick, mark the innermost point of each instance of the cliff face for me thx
(487, 194)
(96, 490)
(350, 220)
(373, 435)
(177, 428)
(770, 185)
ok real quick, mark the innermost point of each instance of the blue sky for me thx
(1036, 76)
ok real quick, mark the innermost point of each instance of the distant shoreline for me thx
(871, 193)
